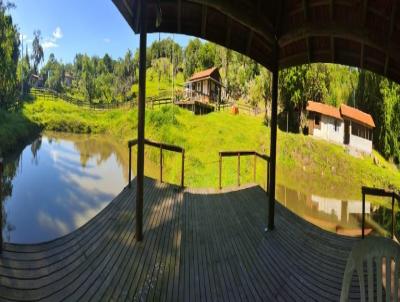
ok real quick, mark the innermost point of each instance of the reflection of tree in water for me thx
(10, 171)
(35, 147)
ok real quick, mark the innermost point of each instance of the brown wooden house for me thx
(204, 86)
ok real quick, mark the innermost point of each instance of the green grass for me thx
(15, 130)
(305, 164)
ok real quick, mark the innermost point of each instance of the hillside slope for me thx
(304, 163)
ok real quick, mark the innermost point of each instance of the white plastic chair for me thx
(373, 250)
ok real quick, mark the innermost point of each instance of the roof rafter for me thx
(258, 25)
(389, 37)
(204, 20)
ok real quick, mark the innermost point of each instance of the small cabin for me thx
(68, 78)
(346, 125)
(358, 128)
(204, 86)
(325, 122)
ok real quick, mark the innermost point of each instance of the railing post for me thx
(161, 164)
(220, 171)
(239, 169)
(363, 215)
(183, 170)
(255, 168)
(267, 180)
(1, 207)
(393, 216)
(130, 165)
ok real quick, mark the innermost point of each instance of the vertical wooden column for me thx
(363, 216)
(161, 164)
(220, 171)
(238, 168)
(393, 217)
(183, 170)
(274, 120)
(141, 121)
(1, 205)
(130, 165)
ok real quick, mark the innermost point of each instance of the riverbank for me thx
(308, 165)
(16, 130)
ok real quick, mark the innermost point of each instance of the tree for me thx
(37, 51)
(9, 50)
(87, 84)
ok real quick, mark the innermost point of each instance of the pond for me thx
(60, 181)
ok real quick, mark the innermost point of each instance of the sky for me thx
(68, 27)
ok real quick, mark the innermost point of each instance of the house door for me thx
(346, 132)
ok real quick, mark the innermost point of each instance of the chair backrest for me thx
(371, 251)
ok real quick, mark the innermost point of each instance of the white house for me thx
(347, 125)
(325, 122)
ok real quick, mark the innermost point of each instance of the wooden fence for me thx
(380, 193)
(163, 98)
(239, 154)
(162, 147)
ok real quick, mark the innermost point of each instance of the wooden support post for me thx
(267, 180)
(363, 216)
(238, 173)
(130, 166)
(274, 120)
(141, 121)
(220, 171)
(183, 170)
(255, 169)
(393, 217)
(1, 204)
(161, 164)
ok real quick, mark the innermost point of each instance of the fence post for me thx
(255, 168)
(239, 169)
(363, 215)
(1, 202)
(393, 216)
(220, 171)
(130, 165)
(161, 164)
(183, 169)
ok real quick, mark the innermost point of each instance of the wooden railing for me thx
(1, 201)
(379, 193)
(239, 154)
(162, 147)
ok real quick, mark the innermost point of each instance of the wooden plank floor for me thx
(198, 246)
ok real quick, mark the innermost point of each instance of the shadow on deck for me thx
(198, 246)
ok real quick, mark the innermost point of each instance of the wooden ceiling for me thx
(361, 33)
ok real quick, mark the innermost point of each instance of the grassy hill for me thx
(304, 163)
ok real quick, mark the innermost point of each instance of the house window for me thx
(317, 120)
(336, 126)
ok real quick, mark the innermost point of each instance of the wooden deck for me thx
(198, 246)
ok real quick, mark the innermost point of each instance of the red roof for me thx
(357, 115)
(324, 109)
(203, 74)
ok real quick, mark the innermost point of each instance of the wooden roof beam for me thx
(389, 37)
(204, 21)
(359, 35)
(249, 42)
(258, 25)
(308, 39)
(228, 32)
(179, 16)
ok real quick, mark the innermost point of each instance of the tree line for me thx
(106, 80)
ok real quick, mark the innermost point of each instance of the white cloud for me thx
(58, 34)
(107, 40)
(49, 44)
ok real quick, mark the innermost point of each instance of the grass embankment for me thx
(304, 164)
(15, 130)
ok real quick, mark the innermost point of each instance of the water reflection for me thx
(58, 183)
(338, 216)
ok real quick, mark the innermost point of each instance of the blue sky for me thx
(94, 27)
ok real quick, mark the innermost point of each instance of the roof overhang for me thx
(363, 34)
